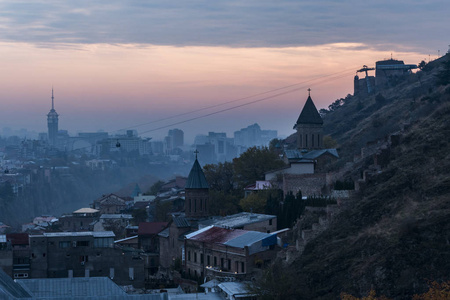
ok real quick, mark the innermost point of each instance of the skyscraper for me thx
(52, 123)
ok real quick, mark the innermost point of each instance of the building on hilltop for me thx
(196, 193)
(309, 127)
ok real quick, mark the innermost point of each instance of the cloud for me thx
(251, 23)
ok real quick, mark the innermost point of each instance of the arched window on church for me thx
(301, 140)
(306, 141)
(312, 140)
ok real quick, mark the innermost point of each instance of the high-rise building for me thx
(52, 123)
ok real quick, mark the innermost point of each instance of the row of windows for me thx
(224, 264)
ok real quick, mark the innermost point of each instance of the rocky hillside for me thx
(394, 236)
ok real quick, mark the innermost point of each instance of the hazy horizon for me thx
(116, 65)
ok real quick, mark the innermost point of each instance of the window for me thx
(236, 266)
(208, 260)
(229, 265)
(221, 263)
(64, 244)
(82, 243)
(306, 141)
(83, 258)
(189, 256)
(301, 140)
(201, 258)
(195, 256)
(270, 221)
(243, 267)
(312, 140)
(215, 261)
(318, 140)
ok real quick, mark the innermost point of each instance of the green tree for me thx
(154, 189)
(162, 210)
(139, 215)
(255, 202)
(329, 142)
(253, 163)
(223, 204)
(220, 176)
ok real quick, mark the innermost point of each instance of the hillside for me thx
(394, 236)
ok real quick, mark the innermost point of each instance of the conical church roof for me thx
(309, 114)
(196, 178)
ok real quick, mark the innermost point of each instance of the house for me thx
(110, 204)
(148, 241)
(79, 220)
(20, 246)
(83, 254)
(215, 252)
(172, 241)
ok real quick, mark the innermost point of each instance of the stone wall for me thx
(308, 184)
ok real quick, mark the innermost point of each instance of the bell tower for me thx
(196, 204)
(309, 127)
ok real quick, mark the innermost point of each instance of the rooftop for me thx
(237, 220)
(151, 228)
(309, 114)
(97, 234)
(196, 178)
(86, 210)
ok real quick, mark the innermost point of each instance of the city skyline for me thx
(162, 60)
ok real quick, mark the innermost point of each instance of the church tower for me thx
(309, 127)
(52, 123)
(196, 204)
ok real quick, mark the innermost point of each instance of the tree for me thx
(139, 215)
(223, 204)
(220, 176)
(436, 291)
(154, 189)
(422, 65)
(253, 163)
(372, 296)
(329, 142)
(255, 202)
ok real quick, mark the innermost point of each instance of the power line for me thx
(234, 101)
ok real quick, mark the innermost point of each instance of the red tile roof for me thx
(17, 238)
(151, 228)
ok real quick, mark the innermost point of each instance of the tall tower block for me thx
(309, 127)
(52, 123)
(196, 204)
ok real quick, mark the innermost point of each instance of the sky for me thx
(198, 65)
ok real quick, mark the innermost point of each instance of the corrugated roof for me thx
(116, 216)
(151, 228)
(309, 114)
(214, 234)
(164, 233)
(71, 287)
(196, 178)
(317, 153)
(81, 233)
(9, 288)
(237, 220)
(247, 239)
(181, 221)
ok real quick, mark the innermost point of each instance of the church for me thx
(305, 168)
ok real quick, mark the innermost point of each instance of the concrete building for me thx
(79, 220)
(215, 252)
(84, 254)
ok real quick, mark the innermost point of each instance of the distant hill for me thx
(394, 237)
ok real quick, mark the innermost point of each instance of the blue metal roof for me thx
(247, 239)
